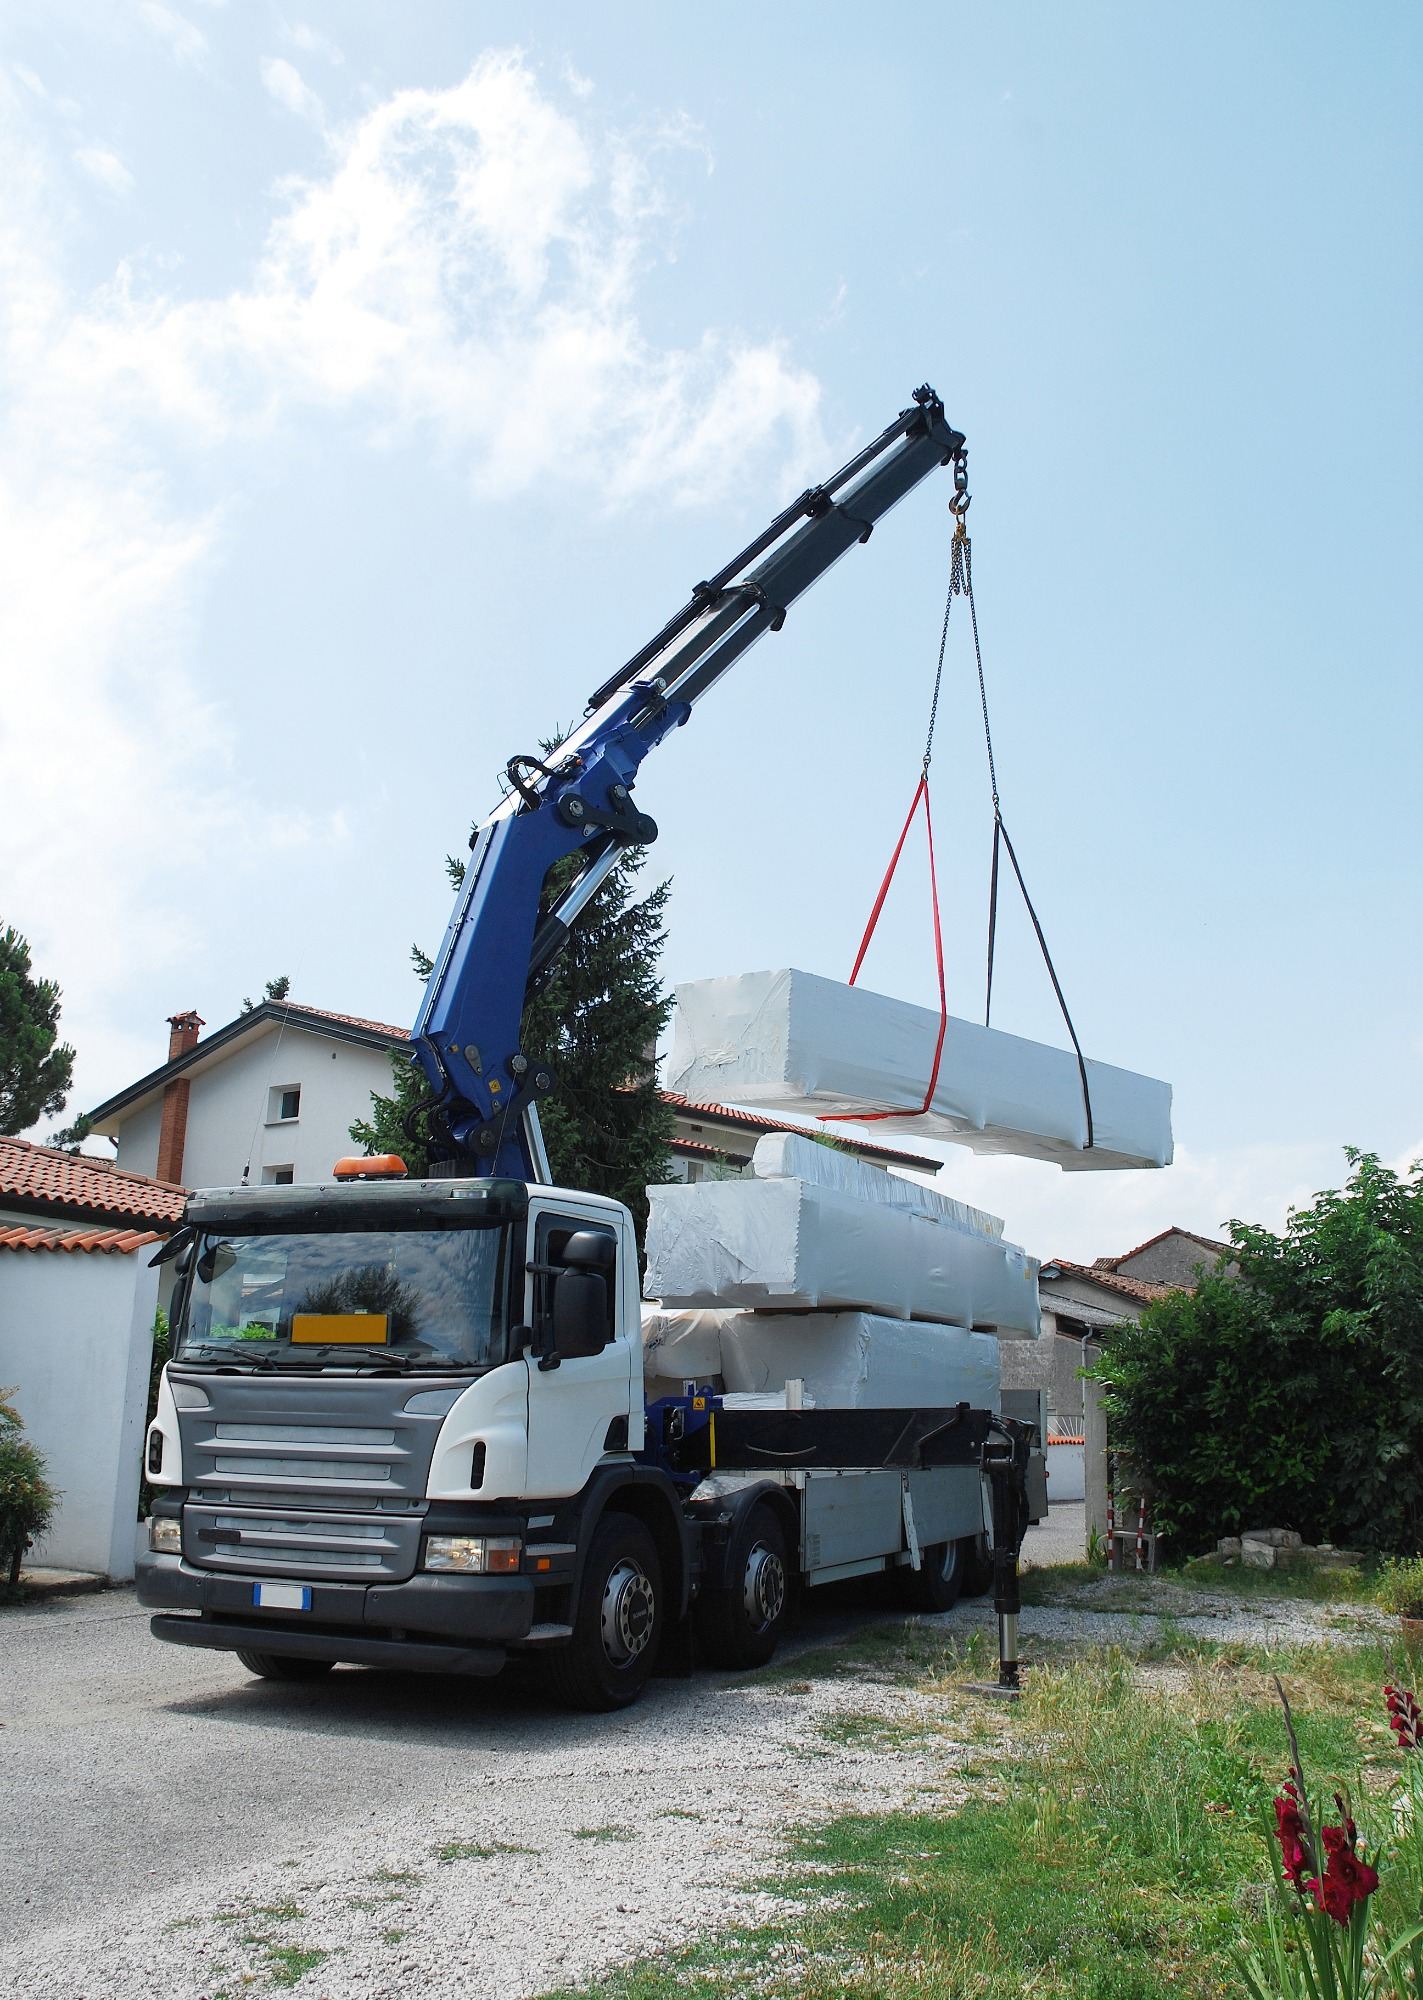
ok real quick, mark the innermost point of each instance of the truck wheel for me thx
(281, 1667)
(977, 1567)
(740, 1623)
(618, 1624)
(936, 1584)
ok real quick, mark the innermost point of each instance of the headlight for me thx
(165, 1534)
(477, 1555)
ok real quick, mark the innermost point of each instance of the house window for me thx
(278, 1176)
(284, 1104)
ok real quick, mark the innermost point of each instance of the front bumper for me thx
(433, 1623)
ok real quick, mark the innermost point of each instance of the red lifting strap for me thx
(921, 792)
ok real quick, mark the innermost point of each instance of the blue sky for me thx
(372, 379)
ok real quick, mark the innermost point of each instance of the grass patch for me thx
(1114, 1853)
(395, 1875)
(1355, 1585)
(1090, 1586)
(869, 1731)
(604, 1833)
(286, 1963)
(391, 1937)
(474, 1850)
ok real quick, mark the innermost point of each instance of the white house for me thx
(271, 1097)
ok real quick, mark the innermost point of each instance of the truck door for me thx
(578, 1410)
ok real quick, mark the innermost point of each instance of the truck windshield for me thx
(353, 1295)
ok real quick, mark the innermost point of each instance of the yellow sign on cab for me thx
(335, 1329)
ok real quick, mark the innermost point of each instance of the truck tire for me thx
(740, 1623)
(279, 1667)
(978, 1567)
(936, 1584)
(618, 1624)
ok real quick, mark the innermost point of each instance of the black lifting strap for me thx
(961, 585)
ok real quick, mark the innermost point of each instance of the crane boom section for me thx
(497, 949)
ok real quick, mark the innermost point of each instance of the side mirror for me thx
(589, 1250)
(580, 1313)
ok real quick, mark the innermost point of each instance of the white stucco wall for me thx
(137, 1151)
(228, 1104)
(59, 1218)
(75, 1345)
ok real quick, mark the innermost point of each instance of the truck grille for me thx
(310, 1478)
(312, 1547)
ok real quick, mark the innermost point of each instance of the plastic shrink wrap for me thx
(798, 1243)
(845, 1360)
(781, 1156)
(792, 1042)
(851, 1361)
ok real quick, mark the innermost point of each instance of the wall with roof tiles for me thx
(75, 1342)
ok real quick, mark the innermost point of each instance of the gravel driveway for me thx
(178, 1830)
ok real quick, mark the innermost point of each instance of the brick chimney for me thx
(183, 1031)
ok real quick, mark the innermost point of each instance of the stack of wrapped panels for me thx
(816, 1239)
(791, 1042)
(871, 1291)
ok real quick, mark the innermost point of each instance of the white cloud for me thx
(310, 42)
(466, 268)
(186, 41)
(285, 85)
(1085, 1215)
(103, 165)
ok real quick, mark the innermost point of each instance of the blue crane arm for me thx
(498, 950)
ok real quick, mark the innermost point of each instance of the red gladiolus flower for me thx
(1289, 1830)
(1348, 1879)
(1404, 1717)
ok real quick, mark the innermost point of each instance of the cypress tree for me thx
(596, 1022)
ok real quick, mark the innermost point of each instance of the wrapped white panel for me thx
(789, 1041)
(852, 1361)
(794, 1244)
(781, 1156)
(681, 1347)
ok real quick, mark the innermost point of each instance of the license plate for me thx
(282, 1596)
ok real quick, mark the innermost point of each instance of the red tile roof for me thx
(1143, 1289)
(124, 1241)
(1206, 1243)
(295, 1010)
(38, 1177)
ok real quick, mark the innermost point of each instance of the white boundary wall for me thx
(75, 1345)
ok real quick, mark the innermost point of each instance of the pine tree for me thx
(34, 1073)
(275, 989)
(605, 1124)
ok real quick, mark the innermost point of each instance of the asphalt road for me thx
(139, 1780)
(158, 1805)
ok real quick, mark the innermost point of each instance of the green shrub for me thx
(27, 1500)
(1291, 1395)
(162, 1350)
(1400, 1586)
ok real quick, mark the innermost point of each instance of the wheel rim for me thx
(949, 1566)
(629, 1612)
(763, 1587)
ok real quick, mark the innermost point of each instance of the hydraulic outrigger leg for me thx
(1005, 1461)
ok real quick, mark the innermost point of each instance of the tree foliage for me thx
(275, 989)
(1291, 1395)
(34, 1073)
(27, 1500)
(606, 1125)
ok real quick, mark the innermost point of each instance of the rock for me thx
(1228, 1547)
(1257, 1554)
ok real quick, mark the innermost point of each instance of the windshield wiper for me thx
(231, 1357)
(366, 1357)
